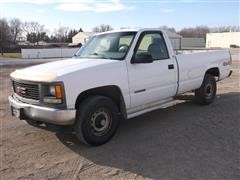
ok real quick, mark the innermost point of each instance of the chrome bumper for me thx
(44, 114)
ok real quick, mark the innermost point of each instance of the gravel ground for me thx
(185, 141)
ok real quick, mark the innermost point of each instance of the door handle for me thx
(170, 66)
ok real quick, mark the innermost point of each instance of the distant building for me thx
(24, 43)
(192, 43)
(80, 38)
(179, 42)
(41, 43)
(223, 40)
(175, 39)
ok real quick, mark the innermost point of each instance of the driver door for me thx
(156, 81)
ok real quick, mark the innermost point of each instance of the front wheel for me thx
(97, 120)
(207, 92)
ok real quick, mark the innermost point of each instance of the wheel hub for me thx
(209, 90)
(100, 121)
(103, 122)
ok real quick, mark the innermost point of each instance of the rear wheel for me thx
(97, 120)
(207, 92)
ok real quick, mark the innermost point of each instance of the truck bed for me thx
(193, 66)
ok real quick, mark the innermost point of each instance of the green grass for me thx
(11, 55)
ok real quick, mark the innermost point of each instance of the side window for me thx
(153, 43)
(124, 43)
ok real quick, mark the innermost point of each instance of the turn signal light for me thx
(58, 91)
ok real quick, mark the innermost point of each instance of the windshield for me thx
(107, 46)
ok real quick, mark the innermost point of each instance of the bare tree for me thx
(201, 31)
(33, 31)
(15, 28)
(226, 29)
(198, 32)
(235, 29)
(5, 35)
(36, 37)
(62, 33)
(32, 27)
(171, 29)
(102, 28)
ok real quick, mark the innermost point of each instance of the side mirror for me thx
(142, 58)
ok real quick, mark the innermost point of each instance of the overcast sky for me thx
(123, 13)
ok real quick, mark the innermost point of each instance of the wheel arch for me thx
(214, 71)
(112, 91)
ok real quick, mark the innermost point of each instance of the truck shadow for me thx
(186, 140)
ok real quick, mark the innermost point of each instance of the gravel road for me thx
(185, 141)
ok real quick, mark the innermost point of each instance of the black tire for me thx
(97, 120)
(32, 122)
(207, 92)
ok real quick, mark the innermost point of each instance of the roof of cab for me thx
(169, 33)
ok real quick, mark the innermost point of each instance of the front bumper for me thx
(43, 114)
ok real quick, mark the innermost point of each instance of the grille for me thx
(26, 90)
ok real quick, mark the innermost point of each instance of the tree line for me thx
(14, 30)
(201, 31)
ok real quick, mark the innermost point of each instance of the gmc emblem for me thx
(20, 90)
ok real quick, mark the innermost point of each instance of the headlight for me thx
(52, 90)
(53, 94)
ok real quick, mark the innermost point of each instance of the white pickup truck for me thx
(116, 74)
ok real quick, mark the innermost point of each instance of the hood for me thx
(48, 72)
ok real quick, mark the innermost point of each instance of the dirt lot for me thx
(186, 141)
